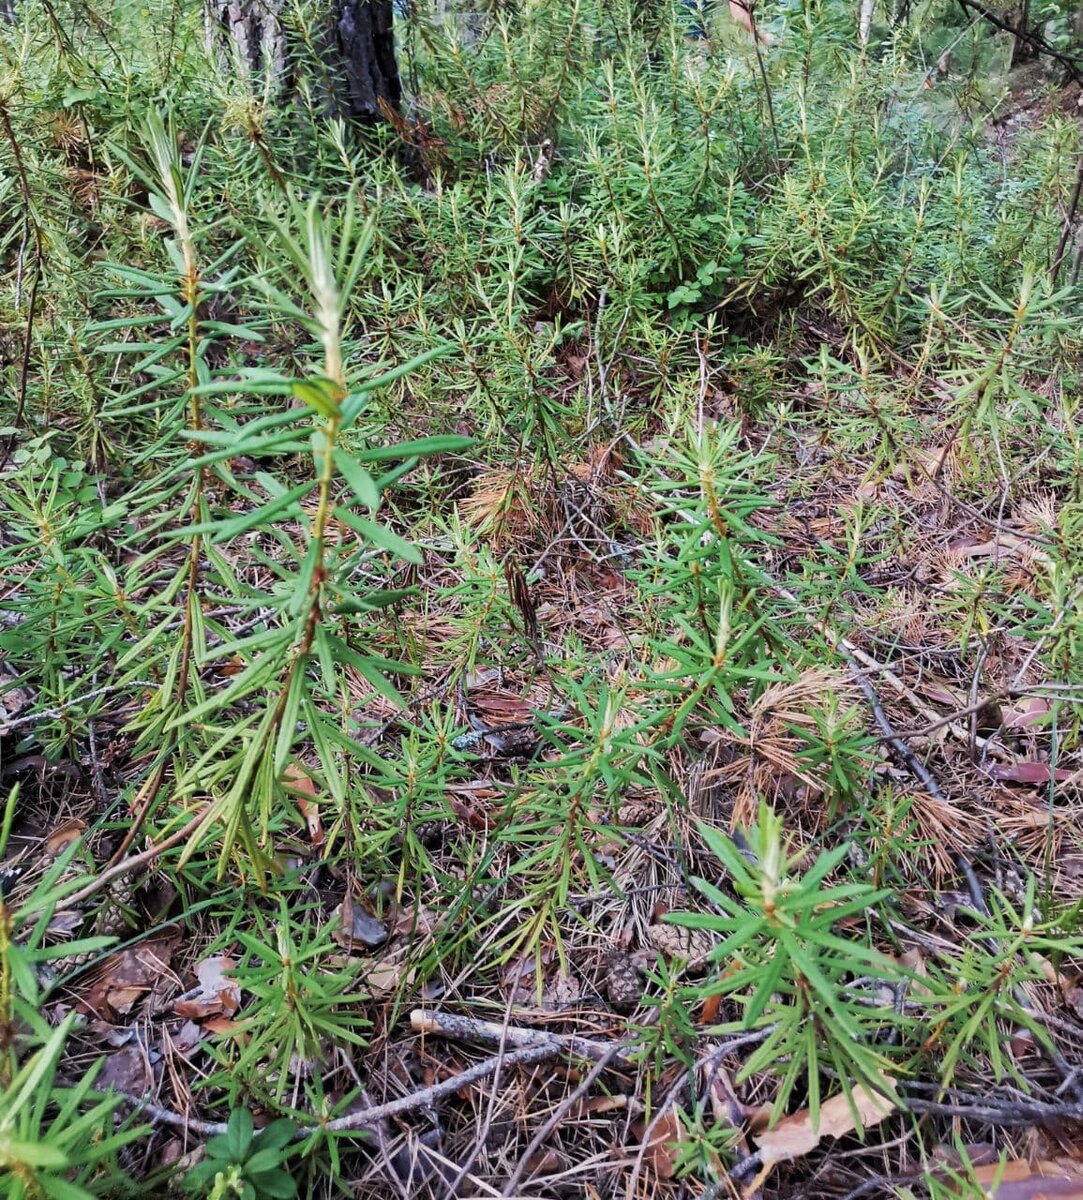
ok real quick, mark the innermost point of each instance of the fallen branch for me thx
(850, 651)
(713, 1060)
(490, 1033)
(364, 1117)
(138, 861)
(1013, 1112)
(921, 772)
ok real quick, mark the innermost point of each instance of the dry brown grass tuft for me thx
(771, 763)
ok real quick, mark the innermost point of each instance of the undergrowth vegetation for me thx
(597, 554)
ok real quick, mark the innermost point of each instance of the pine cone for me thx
(623, 984)
(693, 945)
(635, 812)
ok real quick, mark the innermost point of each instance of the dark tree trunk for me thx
(366, 50)
(357, 43)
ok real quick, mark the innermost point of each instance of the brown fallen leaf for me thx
(222, 1025)
(665, 1138)
(1021, 1180)
(383, 979)
(544, 1162)
(302, 787)
(795, 1136)
(712, 1006)
(596, 1106)
(125, 977)
(497, 707)
(217, 994)
(127, 1070)
(59, 839)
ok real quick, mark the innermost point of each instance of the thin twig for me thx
(963, 864)
(138, 861)
(39, 257)
(1072, 65)
(1014, 1113)
(713, 1059)
(366, 1116)
(483, 1133)
(49, 713)
(905, 753)
(1069, 222)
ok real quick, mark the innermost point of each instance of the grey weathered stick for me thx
(491, 1033)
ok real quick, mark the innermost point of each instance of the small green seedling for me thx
(241, 1162)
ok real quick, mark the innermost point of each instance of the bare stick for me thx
(712, 1060)
(39, 257)
(1023, 1111)
(1069, 221)
(483, 1133)
(918, 769)
(1070, 63)
(850, 651)
(489, 1033)
(48, 714)
(963, 864)
(446, 1087)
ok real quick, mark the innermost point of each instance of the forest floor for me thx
(691, 809)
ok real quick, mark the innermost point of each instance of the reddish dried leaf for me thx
(1021, 1180)
(708, 1014)
(497, 707)
(222, 1025)
(1028, 711)
(1029, 772)
(469, 813)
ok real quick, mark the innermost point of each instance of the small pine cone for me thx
(635, 812)
(693, 945)
(623, 985)
(432, 833)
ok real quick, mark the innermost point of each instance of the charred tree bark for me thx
(356, 39)
(365, 40)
